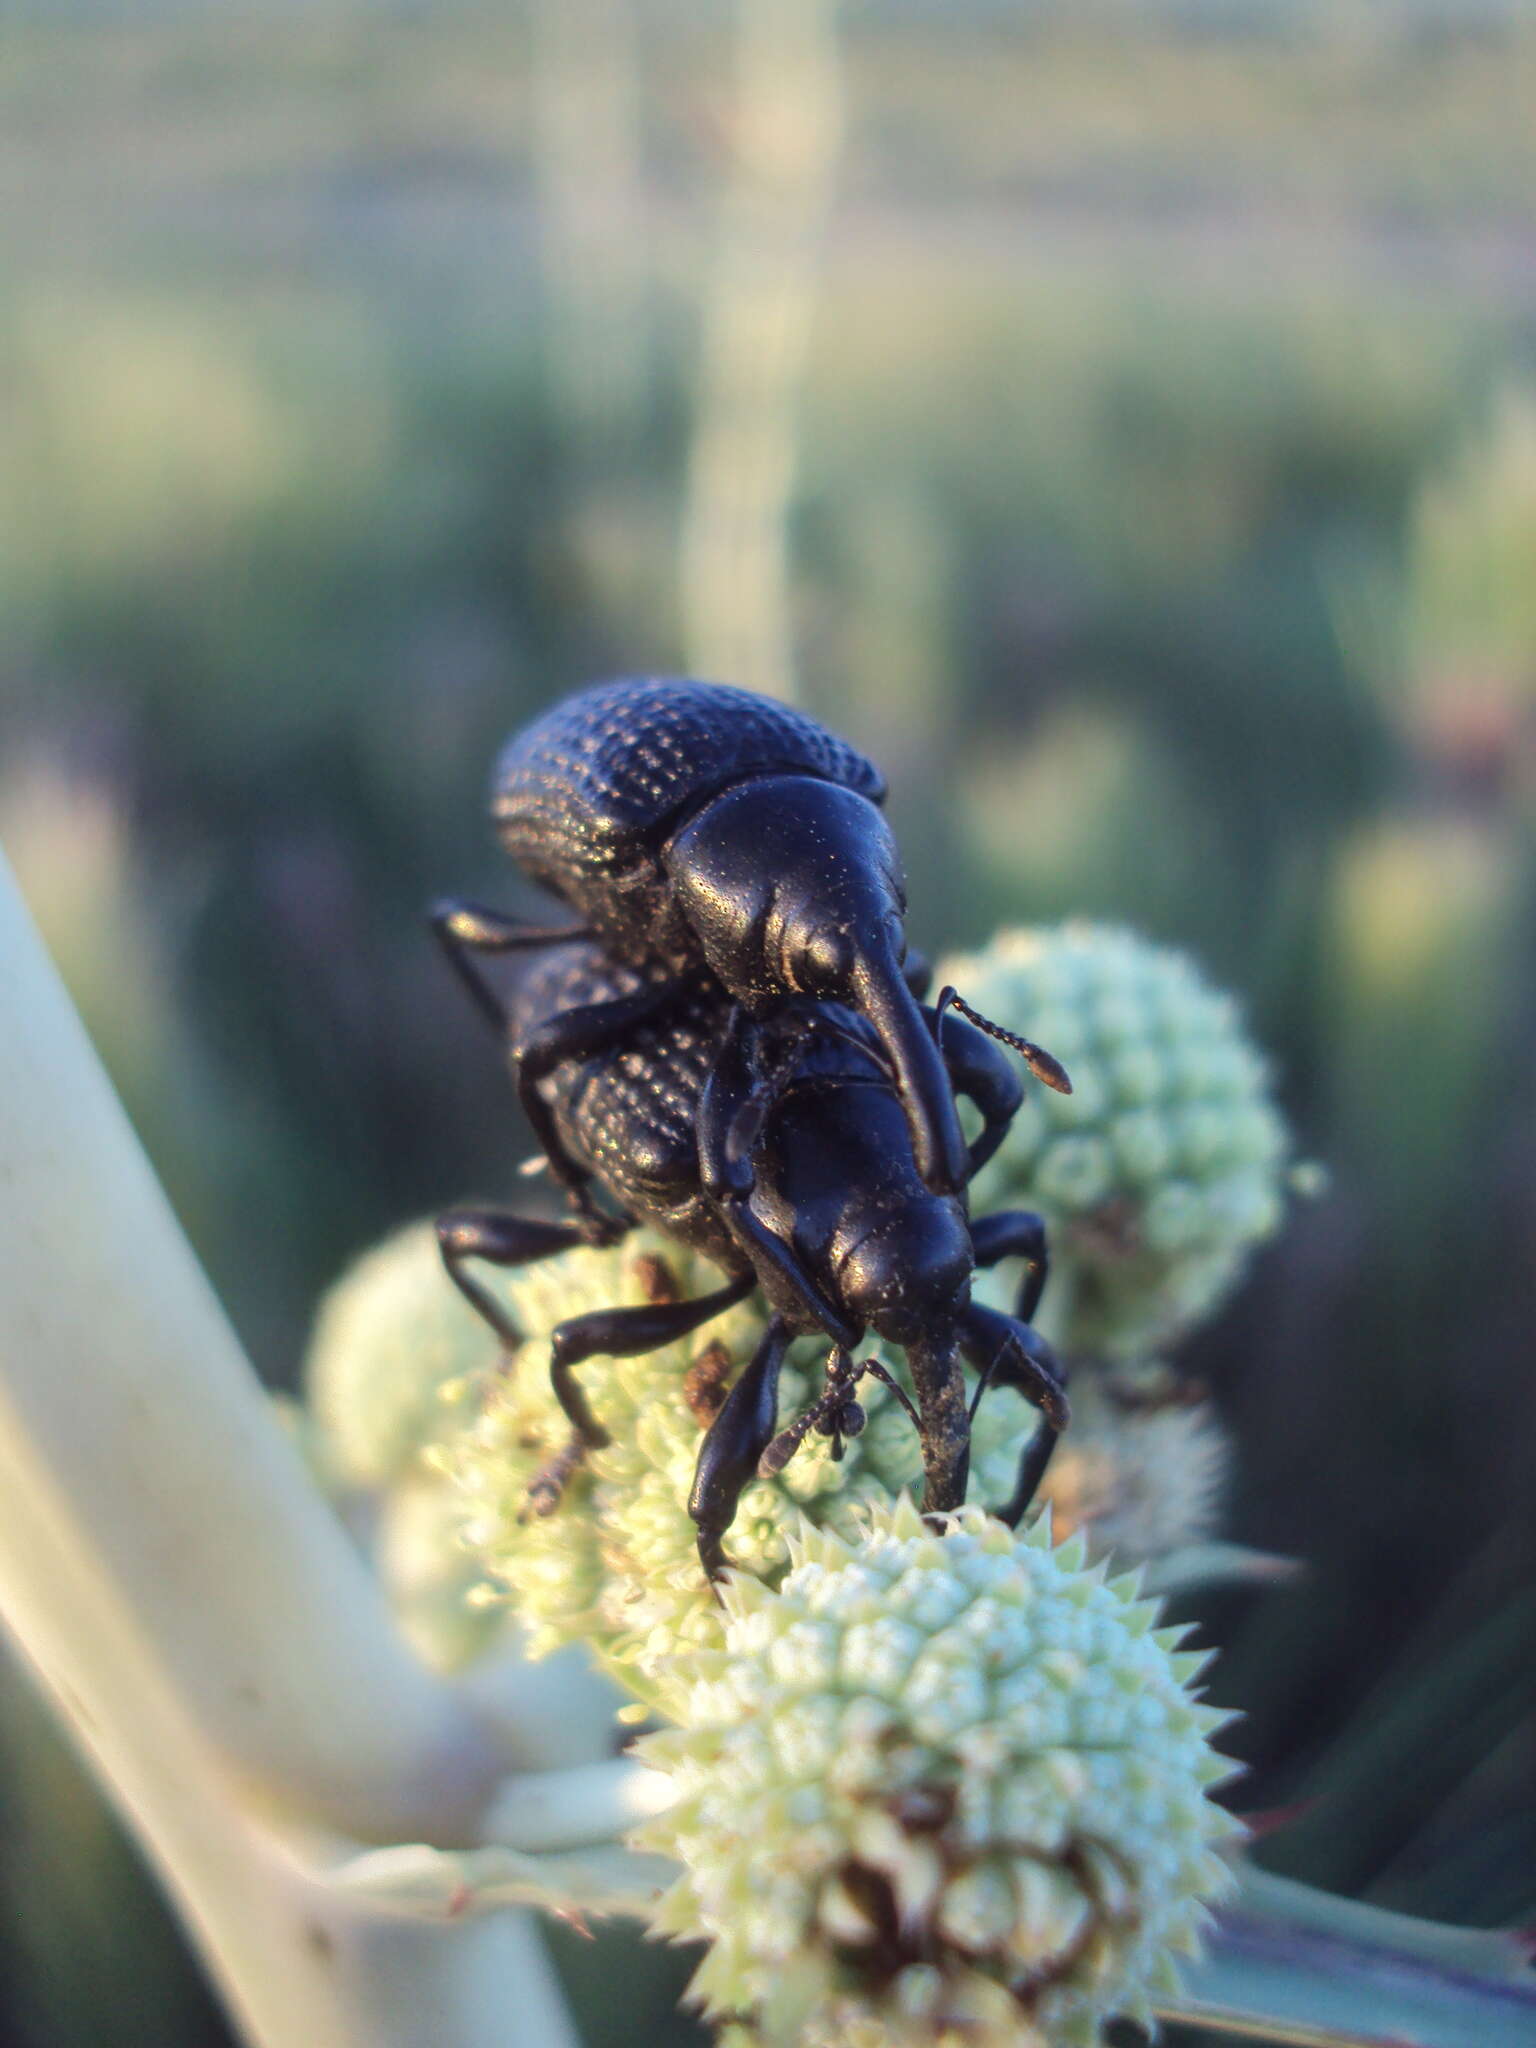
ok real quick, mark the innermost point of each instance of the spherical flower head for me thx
(396, 1358)
(943, 1785)
(434, 1586)
(1164, 1168)
(1140, 1479)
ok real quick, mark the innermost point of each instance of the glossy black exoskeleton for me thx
(779, 1148)
(696, 827)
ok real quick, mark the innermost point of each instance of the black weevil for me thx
(697, 826)
(777, 1147)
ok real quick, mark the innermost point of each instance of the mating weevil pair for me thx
(742, 951)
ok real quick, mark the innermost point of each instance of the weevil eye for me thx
(824, 965)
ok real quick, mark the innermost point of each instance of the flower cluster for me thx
(939, 1787)
(615, 1564)
(1163, 1169)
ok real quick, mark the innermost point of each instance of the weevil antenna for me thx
(1040, 1063)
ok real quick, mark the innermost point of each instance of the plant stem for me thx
(1290, 1964)
(191, 1605)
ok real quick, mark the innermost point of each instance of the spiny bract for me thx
(1164, 1167)
(939, 1787)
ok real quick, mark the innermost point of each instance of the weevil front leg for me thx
(737, 1439)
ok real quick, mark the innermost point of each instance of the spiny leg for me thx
(614, 1333)
(503, 1240)
(736, 1440)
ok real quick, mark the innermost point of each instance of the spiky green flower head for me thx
(1141, 1473)
(615, 1564)
(1164, 1168)
(395, 1360)
(942, 1786)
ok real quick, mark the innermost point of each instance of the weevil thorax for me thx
(793, 886)
(909, 1271)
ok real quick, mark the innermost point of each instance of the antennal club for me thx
(1041, 1064)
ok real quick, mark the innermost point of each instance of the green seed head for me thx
(1164, 1168)
(939, 1787)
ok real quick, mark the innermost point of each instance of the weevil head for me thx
(793, 886)
(906, 1274)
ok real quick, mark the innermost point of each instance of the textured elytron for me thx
(629, 1114)
(593, 785)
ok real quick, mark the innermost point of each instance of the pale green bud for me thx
(1164, 1168)
(395, 1360)
(435, 1587)
(939, 1787)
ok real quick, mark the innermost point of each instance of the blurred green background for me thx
(1120, 419)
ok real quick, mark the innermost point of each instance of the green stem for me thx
(194, 1609)
(1291, 1964)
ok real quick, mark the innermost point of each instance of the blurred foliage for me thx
(1163, 523)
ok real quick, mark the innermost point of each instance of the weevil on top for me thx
(741, 948)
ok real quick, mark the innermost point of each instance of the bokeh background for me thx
(1120, 419)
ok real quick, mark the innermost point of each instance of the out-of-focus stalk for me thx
(584, 80)
(786, 134)
(187, 1599)
(1287, 1963)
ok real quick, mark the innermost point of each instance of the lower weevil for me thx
(780, 1149)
